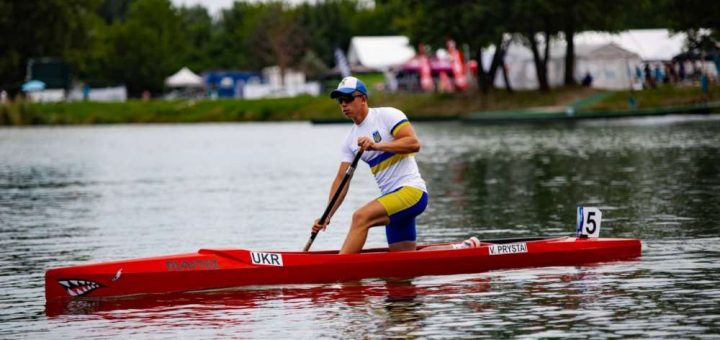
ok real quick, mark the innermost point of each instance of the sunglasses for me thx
(347, 99)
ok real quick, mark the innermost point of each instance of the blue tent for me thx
(229, 84)
(33, 85)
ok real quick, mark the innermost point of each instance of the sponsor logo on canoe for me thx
(189, 265)
(117, 275)
(266, 259)
(79, 287)
(511, 248)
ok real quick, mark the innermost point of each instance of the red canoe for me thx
(211, 269)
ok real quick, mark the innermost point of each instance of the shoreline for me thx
(555, 116)
(562, 104)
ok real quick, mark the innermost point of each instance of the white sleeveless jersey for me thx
(391, 170)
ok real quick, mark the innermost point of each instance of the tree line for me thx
(140, 42)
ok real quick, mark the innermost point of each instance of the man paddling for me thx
(389, 143)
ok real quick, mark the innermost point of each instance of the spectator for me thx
(649, 80)
(670, 75)
(705, 85)
(658, 73)
(681, 70)
(587, 80)
(632, 102)
(86, 92)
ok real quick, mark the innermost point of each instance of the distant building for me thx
(251, 85)
(54, 72)
(229, 83)
(277, 84)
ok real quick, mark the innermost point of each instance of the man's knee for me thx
(361, 218)
(366, 218)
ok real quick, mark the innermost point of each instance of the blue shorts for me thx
(403, 205)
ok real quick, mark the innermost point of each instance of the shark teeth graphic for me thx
(77, 288)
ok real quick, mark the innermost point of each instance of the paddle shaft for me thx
(336, 195)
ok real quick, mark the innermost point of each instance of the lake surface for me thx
(71, 195)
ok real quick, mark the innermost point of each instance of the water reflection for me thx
(655, 180)
(351, 294)
(621, 298)
(391, 307)
(73, 195)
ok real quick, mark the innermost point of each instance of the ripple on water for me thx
(72, 195)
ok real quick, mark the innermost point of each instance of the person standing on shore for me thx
(389, 143)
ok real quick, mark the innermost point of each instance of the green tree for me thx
(276, 37)
(230, 44)
(312, 65)
(142, 50)
(328, 26)
(693, 16)
(197, 30)
(578, 15)
(49, 28)
(376, 20)
(112, 10)
(533, 21)
(477, 24)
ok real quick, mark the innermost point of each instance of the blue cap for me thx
(349, 85)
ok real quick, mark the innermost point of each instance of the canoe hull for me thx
(210, 269)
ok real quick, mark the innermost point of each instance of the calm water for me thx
(76, 194)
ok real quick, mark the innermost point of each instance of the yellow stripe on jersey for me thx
(389, 162)
(397, 127)
(400, 200)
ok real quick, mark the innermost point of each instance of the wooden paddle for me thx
(336, 195)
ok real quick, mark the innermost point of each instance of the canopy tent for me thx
(609, 65)
(649, 44)
(33, 85)
(440, 72)
(184, 78)
(437, 65)
(380, 53)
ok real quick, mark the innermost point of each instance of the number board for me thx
(588, 221)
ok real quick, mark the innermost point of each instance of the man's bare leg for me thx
(370, 215)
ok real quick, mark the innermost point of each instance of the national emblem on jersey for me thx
(376, 137)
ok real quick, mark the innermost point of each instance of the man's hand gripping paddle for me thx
(336, 195)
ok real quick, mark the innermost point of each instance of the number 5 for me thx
(588, 223)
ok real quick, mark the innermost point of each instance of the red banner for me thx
(458, 66)
(426, 81)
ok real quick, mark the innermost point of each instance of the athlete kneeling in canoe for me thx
(389, 142)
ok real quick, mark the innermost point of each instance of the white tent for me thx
(184, 78)
(650, 44)
(380, 53)
(609, 64)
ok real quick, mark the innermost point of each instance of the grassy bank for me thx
(417, 106)
(663, 96)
